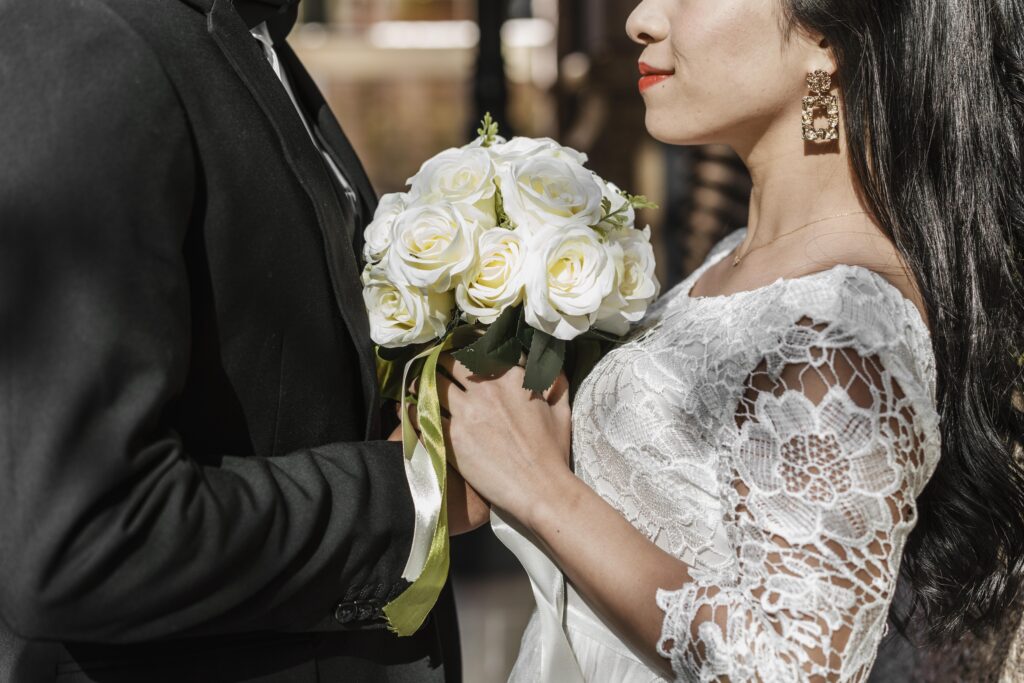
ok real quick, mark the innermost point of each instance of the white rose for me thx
(546, 192)
(569, 274)
(378, 234)
(519, 149)
(636, 285)
(432, 246)
(496, 282)
(402, 316)
(622, 213)
(463, 177)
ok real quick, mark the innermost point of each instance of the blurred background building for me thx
(409, 78)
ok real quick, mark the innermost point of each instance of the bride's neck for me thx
(795, 183)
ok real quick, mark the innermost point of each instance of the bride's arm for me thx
(518, 447)
(819, 488)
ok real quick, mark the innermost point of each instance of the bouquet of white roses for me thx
(516, 236)
(500, 250)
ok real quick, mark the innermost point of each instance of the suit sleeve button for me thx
(345, 613)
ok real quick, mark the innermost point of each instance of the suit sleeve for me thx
(110, 531)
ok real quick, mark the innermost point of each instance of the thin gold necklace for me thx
(739, 258)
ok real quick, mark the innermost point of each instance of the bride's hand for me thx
(510, 444)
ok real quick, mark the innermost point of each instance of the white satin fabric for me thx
(565, 641)
(553, 659)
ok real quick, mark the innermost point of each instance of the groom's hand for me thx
(467, 511)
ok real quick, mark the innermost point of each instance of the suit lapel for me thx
(330, 134)
(245, 56)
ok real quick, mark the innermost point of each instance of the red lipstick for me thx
(650, 76)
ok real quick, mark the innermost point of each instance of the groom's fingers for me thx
(415, 422)
(414, 418)
(445, 387)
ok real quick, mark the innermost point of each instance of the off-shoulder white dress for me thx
(775, 440)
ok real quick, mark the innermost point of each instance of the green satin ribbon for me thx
(407, 612)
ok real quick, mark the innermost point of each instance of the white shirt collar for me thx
(261, 33)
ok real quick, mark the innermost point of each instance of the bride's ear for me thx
(815, 50)
(828, 56)
(821, 56)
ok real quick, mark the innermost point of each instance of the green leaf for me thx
(497, 350)
(499, 208)
(488, 130)
(638, 201)
(547, 355)
(524, 333)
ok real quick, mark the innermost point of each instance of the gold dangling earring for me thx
(820, 84)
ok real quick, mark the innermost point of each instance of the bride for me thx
(826, 402)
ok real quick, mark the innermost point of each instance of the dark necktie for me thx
(280, 15)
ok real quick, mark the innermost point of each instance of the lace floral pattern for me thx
(776, 441)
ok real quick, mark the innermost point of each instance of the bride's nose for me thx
(647, 24)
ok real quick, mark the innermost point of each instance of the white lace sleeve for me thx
(821, 475)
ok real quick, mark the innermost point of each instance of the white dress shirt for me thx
(419, 471)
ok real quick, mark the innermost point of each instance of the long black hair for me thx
(933, 96)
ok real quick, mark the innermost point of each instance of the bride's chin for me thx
(673, 135)
(667, 127)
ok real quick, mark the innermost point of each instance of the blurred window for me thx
(399, 74)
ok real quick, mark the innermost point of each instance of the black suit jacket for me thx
(190, 486)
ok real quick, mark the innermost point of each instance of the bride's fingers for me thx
(459, 372)
(444, 370)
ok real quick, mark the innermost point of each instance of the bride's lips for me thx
(650, 76)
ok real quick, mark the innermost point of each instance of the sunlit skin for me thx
(728, 72)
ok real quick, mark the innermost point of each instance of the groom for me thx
(192, 485)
